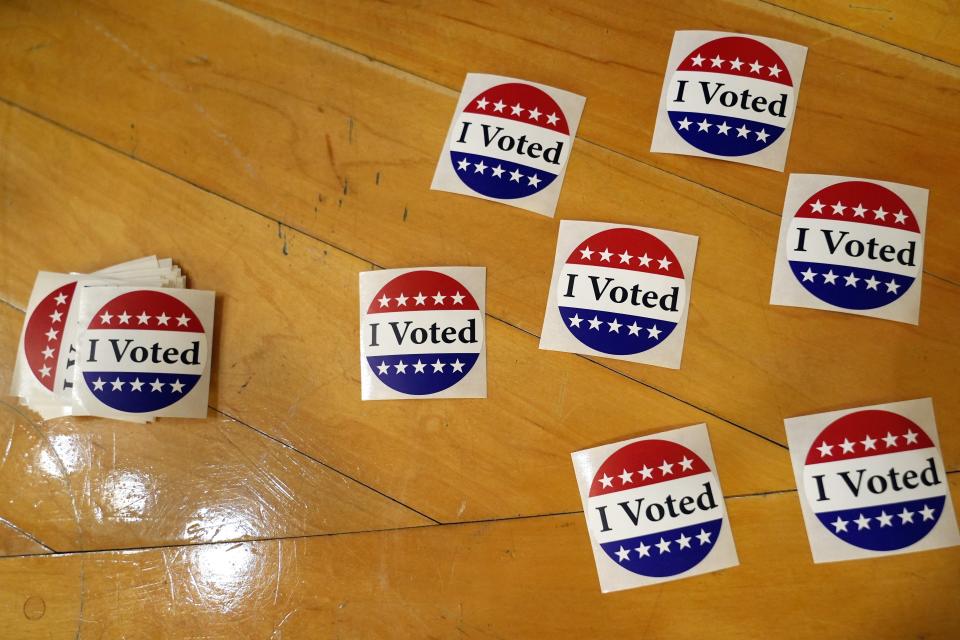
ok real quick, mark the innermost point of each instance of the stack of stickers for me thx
(127, 342)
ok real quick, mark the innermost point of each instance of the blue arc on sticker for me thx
(667, 553)
(723, 135)
(850, 287)
(139, 392)
(421, 374)
(499, 179)
(887, 527)
(615, 333)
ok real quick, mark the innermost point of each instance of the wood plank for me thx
(866, 109)
(344, 148)
(77, 484)
(531, 578)
(286, 360)
(930, 27)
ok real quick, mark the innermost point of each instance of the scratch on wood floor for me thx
(405, 214)
(378, 179)
(346, 185)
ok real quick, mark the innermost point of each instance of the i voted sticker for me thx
(654, 509)
(422, 333)
(730, 97)
(872, 481)
(43, 337)
(851, 245)
(509, 141)
(620, 291)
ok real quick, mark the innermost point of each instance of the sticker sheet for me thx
(871, 481)
(509, 141)
(654, 509)
(619, 291)
(729, 96)
(422, 333)
(851, 245)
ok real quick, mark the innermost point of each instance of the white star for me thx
(892, 286)
(552, 119)
(808, 275)
(606, 481)
(775, 71)
(684, 124)
(515, 175)
(60, 299)
(479, 167)
(880, 214)
(762, 135)
(624, 257)
(575, 320)
(438, 299)
(643, 550)
(666, 468)
(47, 353)
(686, 464)
(383, 368)
(163, 318)
(533, 181)
(457, 298)
(498, 106)
(614, 326)
(646, 473)
(136, 384)
(859, 210)
(839, 525)
(626, 476)
(498, 171)
(890, 440)
(98, 384)
(663, 545)
(704, 125)
(742, 131)
(838, 208)
(438, 366)
(44, 371)
(482, 103)
(644, 260)
(623, 554)
(847, 446)
(704, 537)
(143, 318)
(595, 323)
(182, 320)
(825, 449)
(817, 207)
(52, 334)
(400, 367)
(927, 513)
(516, 109)
(105, 317)
(851, 279)
(684, 541)
(884, 519)
(56, 316)
(605, 255)
(830, 277)
(384, 301)
(735, 64)
(418, 367)
(755, 66)
(420, 298)
(124, 317)
(723, 128)
(634, 328)
(716, 63)
(457, 366)
(654, 332)
(586, 252)
(534, 114)
(872, 283)
(910, 437)
(862, 523)
(664, 262)
(463, 165)
(402, 300)
(869, 443)
(906, 516)
(900, 217)
(697, 60)
(156, 385)
(117, 384)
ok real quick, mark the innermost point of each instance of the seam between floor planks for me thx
(346, 51)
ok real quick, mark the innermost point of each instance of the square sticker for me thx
(851, 245)
(619, 291)
(654, 509)
(422, 333)
(509, 141)
(729, 96)
(871, 481)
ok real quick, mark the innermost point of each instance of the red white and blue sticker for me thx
(729, 96)
(509, 141)
(422, 333)
(620, 291)
(654, 509)
(851, 245)
(872, 481)
(143, 352)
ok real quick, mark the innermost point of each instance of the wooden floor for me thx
(275, 148)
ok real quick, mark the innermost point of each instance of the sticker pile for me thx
(128, 342)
